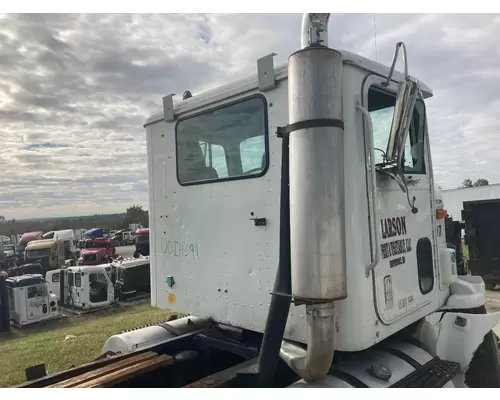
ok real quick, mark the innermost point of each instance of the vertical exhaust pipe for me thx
(317, 210)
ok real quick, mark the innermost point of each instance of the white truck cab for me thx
(85, 287)
(30, 300)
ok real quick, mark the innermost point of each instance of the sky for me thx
(75, 91)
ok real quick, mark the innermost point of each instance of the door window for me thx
(381, 108)
(78, 279)
(37, 291)
(98, 287)
(56, 277)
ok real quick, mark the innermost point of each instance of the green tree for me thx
(481, 182)
(467, 183)
(136, 215)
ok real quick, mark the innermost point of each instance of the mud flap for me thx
(464, 336)
(484, 369)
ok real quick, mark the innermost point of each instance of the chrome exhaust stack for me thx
(317, 210)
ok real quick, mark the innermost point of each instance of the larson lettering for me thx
(392, 227)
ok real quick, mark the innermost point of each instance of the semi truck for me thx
(141, 242)
(49, 253)
(97, 250)
(25, 239)
(295, 231)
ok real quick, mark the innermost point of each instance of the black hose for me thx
(281, 296)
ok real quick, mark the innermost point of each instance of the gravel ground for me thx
(493, 305)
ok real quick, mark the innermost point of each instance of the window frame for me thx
(376, 81)
(219, 107)
(79, 276)
(423, 120)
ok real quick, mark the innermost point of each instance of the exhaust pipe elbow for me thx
(314, 29)
(314, 362)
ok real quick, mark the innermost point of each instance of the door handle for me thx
(259, 221)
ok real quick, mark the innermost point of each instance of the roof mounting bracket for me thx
(265, 69)
(168, 108)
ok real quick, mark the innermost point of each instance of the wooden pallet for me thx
(117, 372)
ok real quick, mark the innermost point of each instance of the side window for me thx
(71, 279)
(32, 292)
(56, 277)
(229, 142)
(36, 291)
(78, 280)
(101, 277)
(381, 107)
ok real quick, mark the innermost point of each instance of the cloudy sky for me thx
(76, 89)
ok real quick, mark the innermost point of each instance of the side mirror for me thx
(403, 110)
(401, 120)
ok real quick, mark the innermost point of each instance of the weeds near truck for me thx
(67, 344)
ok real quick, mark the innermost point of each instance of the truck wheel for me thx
(490, 286)
(484, 369)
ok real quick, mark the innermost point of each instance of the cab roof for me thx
(281, 73)
(41, 244)
(24, 280)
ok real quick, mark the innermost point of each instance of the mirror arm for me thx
(414, 91)
(395, 59)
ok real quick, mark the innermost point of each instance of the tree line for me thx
(133, 214)
(469, 183)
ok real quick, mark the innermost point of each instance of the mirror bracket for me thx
(403, 110)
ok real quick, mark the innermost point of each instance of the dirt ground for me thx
(493, 300)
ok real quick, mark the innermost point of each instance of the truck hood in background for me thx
(92, 251)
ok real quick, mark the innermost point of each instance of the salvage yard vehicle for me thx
(133, 278)
(366, 291)
(30, 301)
(49, 253)
(87, 287)
(482, 236)
(129, 279)
(123, 237)
(141, 242)
(25, 239)
(69, 238)
(97, 251)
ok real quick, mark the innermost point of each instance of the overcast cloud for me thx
(76, 89)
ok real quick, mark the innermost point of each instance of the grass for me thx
(30, 346)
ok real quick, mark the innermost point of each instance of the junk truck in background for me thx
(123, 237)
(91, 287)
(141, 242)
(25, 239)
(481, 221)
(303, 255)
(97, 250)
(70, 238)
